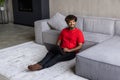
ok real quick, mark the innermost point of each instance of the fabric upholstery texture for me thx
(99, 25)
(50, 36)
(96, 37)
(108, 52)
(96, 70)
(101, 62)
(117, 28)
(87, 44)
(57, 21)
(79, 23)
(40, 27)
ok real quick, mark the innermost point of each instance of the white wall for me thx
(104, 8)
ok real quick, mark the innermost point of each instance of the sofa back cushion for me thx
(50, 36)
(79, 23)
(57, 22)
(99, 25)
(117, 27)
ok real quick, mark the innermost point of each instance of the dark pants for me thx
(54, 56)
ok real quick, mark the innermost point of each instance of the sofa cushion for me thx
(95, 70)
(87, 44)
(39, 27)
(117, 27)
(99, 25)
(50, 36)
(57, 21)
(108, 52)
(96, 37)
(79, 23)
(101, 62)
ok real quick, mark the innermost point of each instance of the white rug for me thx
(14, 61)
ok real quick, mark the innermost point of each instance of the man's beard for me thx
(71, 28)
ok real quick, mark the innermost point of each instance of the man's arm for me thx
(74, 49)
(58, 42)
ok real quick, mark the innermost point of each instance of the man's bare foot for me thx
(34, 67)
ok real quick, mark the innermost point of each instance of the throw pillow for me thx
(57, 22)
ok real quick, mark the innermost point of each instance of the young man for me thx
(70, 40)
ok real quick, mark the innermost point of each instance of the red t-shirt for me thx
(71, 38)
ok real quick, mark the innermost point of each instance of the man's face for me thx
(71, 24)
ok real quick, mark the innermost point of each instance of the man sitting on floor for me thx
(70, 41)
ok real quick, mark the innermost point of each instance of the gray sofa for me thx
(99, 57)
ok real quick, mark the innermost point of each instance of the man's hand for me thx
(73, 49)
(66, 50)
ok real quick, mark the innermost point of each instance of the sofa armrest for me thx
(39, 27)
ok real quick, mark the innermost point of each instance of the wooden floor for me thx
(13, 34)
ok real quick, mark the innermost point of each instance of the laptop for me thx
(52, 46)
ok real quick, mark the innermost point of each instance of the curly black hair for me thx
(70, 17)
